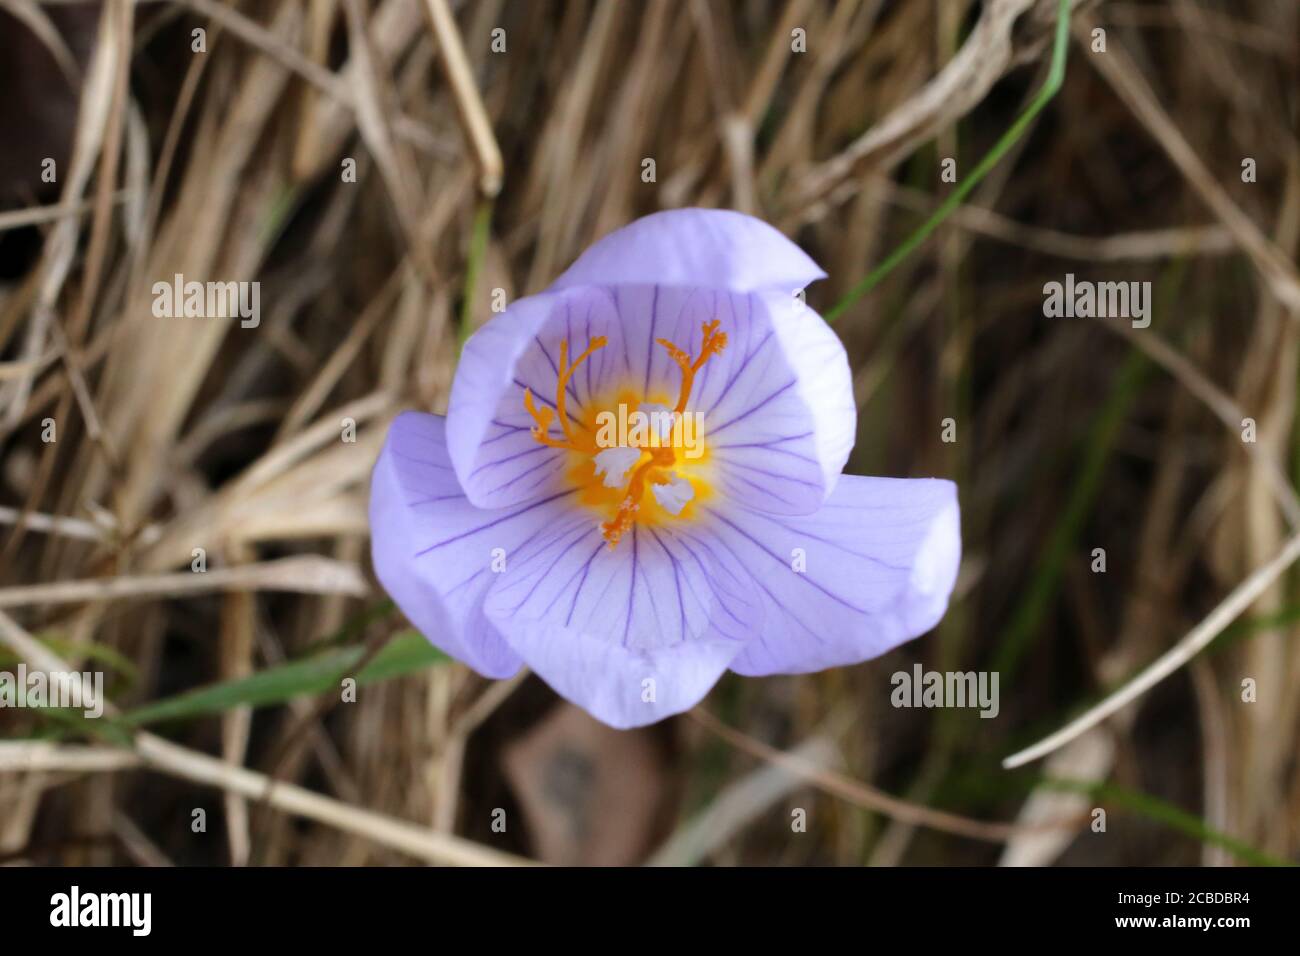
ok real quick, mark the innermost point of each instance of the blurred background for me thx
(381, 166)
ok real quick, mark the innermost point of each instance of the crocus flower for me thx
(637, 484)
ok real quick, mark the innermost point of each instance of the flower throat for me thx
(638, 469)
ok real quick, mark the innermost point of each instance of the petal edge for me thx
(879, 562)
(712, 248)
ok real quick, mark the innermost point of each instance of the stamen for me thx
(672, 493)
(615, 463)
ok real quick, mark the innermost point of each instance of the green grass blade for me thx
(1055, 77)
(1171, 816)
(478, 244)
(405, 654)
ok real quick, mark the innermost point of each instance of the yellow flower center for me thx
(649, 473)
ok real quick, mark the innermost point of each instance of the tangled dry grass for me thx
(479, 169)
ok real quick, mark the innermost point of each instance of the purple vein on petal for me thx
(742, 366)
(761, 489)
(586, 569)
(774, 475)
(708, 576)
(409, 435)
(542, 569)
(437, 498)
(804, 533)
(591, 360)
(772, 445)
(631, 591)
(421, 461)
(453, 589)
(530, 450)
(781, 561)
(758, 582)
(677, 582)
(754, 408)
(618, 312)
(524, 474)
(705, 605)
(492, 524)
(509, 432)
(650, 344)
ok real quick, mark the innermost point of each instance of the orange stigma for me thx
(542, 416)
(714, 342)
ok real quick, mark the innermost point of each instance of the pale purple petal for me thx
(870, 570)
(714, 248)
(488, 431)
(632, 634)
(818, 361)
(780, 427)
(434, 551)
(776, 405)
